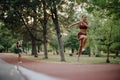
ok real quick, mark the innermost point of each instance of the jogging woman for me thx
(82, 34)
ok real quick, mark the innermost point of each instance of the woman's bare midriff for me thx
(83, 31)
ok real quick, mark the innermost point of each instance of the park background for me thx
(43, 27)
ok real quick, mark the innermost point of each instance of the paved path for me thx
(70, 71)
(16, 72)
(8, 72)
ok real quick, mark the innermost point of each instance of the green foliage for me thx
(98, 55)
(103, 48)
(52, 2)
(72, 41)
(1, 48)
(86, 51)
(53, 42)
(78, 1)
(13, 48)
(109, 7)
(6, 40)
(109, 36)
(99, 2)
(115, 47)
(81, 1)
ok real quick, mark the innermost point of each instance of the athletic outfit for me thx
(80, 33)
(19, 49)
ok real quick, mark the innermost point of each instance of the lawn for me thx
(84, 59)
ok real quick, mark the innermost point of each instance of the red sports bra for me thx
(82, 26)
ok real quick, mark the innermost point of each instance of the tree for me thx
(53, 8)
(110, 7)
(6, 38)
(45, 28)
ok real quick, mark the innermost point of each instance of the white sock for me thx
(77, 58)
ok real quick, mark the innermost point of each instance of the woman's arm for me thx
(20, 42)
(74, 23)
(87, 25)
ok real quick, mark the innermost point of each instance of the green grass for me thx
(84, 59)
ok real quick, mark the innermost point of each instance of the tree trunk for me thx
(27, 49)
(108, 49)
(57, 28)
(72, 50)
(34, 50)
(117, 53)
(108, 46)
(45, 30)
(23, 50)
(6, 49)
(38, 47)
(45, 46)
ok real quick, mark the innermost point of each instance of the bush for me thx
(103, 48)
(13, 48)
(1, 48)
(71, 54)
(98, 55)
(86, 52)
(115, 47)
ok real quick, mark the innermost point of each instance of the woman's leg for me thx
(19, 57)
(80, 47)
(84, 41)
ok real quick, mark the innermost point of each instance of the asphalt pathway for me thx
(8, 72)
(69, 71)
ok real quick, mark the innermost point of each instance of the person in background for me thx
(19, 50)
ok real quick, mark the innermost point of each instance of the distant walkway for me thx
(70, 71)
